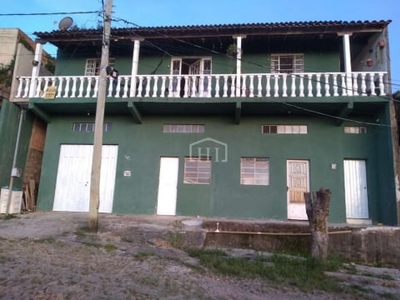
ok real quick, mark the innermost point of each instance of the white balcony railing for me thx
(210, 86)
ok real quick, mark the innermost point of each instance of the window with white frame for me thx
(92, 67)
(254, 171)
(287, 63)
(284, 129)
(355, 129)
(183, 128)
(191, 66)
(197, 170)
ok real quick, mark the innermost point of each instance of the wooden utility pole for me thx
(317, 208)
(99, 123)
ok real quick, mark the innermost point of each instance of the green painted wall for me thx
(141, 146)
(221, 64)
(9, 120)
(386, 206)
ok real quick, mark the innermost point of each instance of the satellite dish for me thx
(65, 23)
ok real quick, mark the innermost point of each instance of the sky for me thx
(206, 12)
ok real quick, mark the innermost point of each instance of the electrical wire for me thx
(256, 64)
(220, 53)
(214, 51)
(49, 13)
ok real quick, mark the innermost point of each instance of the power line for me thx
(51, 13)
(249, 62)
(262, 66)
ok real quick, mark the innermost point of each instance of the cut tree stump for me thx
(317, 208)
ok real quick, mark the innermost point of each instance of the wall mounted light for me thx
(381, 44)
(111, 71)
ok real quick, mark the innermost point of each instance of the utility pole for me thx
(99, 123)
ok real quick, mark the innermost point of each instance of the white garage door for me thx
(73, 178)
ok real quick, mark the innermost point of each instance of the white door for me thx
(194, 69)
(356, 192)
(192, 86)
(167, 186)
(73, 178)
(298, 183)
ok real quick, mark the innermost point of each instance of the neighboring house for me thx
(233, 121)
(16, 57)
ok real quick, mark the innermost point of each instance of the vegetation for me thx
(50, 64)
(110, 247)
(176, 239)
(26, 44)
(305, 273)
(6, 74)
(142, 255)
(49, 240)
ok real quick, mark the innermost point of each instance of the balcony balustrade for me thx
(332, 84)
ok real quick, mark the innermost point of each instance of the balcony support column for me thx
(135, 67)
(41, 114)
(37, 61)
(347, 62)
(344, 113)
(238, 112)
(137, 116)
(238, 63)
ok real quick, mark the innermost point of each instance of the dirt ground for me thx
(48, 255)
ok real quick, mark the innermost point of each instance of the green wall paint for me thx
(221, 64)
(386, 207)
(141, 146)
(9, 120)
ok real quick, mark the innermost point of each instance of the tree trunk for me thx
(317, 208)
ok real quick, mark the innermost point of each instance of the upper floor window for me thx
(287, 63)
(191, 66)
(92, 67)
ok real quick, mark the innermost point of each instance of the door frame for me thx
(362, 216)
(196, 85)
(167, 186)
(81, 189)
(301, 215)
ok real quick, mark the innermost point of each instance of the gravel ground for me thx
(49, 256)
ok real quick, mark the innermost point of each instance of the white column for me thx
(347, 56)
(238, 64)
(37, 61)
(347, 62)
(135, 66)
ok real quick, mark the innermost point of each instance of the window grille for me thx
(254, 171)
(89, 126)
(287, 63)
(197, 170)
(284, 129)
(355, 129)
(183, 128)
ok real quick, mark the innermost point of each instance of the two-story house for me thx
(232, 121)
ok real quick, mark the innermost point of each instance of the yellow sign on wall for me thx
(50, 92)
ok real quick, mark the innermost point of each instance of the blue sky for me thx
(189, 12)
